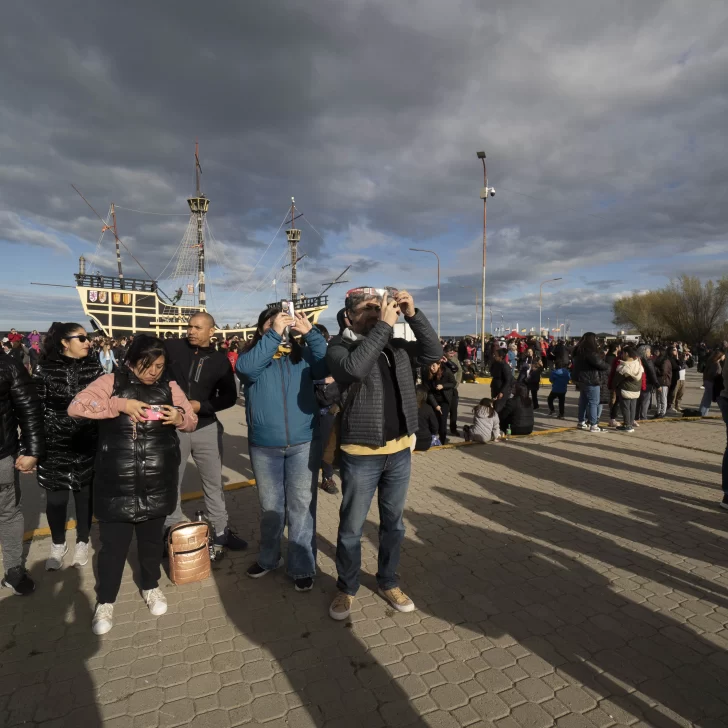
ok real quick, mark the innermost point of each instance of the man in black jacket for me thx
(207, 379)
(502, 380)
(379, 422)
(19, 407)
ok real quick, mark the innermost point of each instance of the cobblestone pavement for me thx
(573, 580)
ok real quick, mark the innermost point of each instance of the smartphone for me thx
(154, 412)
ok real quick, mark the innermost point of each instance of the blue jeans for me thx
(589, 404)
(361, 476)
(287, 479)
(707, 399)
(723, 406)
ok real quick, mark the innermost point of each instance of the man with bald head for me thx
(208, 382)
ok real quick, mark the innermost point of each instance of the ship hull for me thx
(119, 307)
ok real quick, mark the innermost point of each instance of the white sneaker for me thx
(80, 554)
(612, 423)
(595, 428)
(55, 560)
(582, 426)
(156, 601)
(103, 619)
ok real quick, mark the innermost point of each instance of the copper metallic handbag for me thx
(188, 545)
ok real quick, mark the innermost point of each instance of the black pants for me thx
(561, 396)
(615, 408)
(534, 395)
(115, 541)
(442, 421)
(57, 512)
(454, 411)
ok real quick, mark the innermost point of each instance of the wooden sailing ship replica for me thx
(118, 306)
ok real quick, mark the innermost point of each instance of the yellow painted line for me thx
(195, 495)
(488, 380)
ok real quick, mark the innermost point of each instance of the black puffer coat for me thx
(136, 472)
(587, 367)
(19, 405)
(70, 444)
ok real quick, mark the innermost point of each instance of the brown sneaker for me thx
(341, 606)
(398, 599)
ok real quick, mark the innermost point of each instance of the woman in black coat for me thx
(440, 382)
(135, 485)
(65, 368)
(518, 412)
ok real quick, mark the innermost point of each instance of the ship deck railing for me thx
(306, 302)
(120, 284)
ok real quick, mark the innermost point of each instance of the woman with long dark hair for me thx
(66, 366)
(138, 411)
(441, 383)
(518, 412)
(283, 438)
(588, 363)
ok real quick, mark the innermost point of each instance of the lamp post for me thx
(484, 193)
(540, 293)
(420, 250)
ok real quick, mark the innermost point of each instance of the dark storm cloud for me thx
(603, 125)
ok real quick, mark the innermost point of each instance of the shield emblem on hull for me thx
(102, 296)
(126, 298)
(116, 297)
(92, 296)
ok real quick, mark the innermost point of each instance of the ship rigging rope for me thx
(250, 275)
(147, 212)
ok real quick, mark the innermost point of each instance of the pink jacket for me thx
(96, 403)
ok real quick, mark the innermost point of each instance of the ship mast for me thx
(294, 237)
(114, 229)
(198, 207)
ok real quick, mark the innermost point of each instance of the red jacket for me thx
(232, 358)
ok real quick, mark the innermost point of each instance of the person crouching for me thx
(135, 481)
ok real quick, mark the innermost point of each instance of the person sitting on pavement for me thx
(518, 412)
(20, 407)
(377, 433)
(138, 410)
(207, 379)
(470, 371)
(486, 424)
(284, 438)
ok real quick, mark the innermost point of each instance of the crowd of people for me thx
(113, 423)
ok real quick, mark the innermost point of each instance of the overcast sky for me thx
(604, 125)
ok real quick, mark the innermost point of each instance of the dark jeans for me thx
(533, 388)
(561, 396)
(614, 409)
(442, 421)
(589, 404)
(115, 541)
(56, 511)
(326, 422)
(361, 477)
(723, 406)
(454, 410)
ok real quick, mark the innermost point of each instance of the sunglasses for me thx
(81, 337)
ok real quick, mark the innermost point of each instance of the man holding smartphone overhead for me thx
(378, 424)
(207, 379)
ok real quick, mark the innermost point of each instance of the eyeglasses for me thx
(81, 337)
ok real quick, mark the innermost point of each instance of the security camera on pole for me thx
(485, 192)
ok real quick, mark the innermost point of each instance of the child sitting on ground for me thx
(485, 423)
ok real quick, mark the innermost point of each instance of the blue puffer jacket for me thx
(280, 400)
(559, 380)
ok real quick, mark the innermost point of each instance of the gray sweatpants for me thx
(205, 445)
(11, 516)
(661, 393)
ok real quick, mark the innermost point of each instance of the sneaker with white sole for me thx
(398, 599)
(156, 601)
(612, 423)
(80, 554)
(340, 608)
(582, 426)
(103, 619)
(55, 560)
(595, 428)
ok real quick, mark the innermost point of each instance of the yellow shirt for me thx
(391, 447)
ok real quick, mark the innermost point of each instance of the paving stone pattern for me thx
(571, 580)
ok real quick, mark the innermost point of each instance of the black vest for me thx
(136, 473)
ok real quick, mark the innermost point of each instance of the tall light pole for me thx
(420, 250)
(484, 193)
(540, 293)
